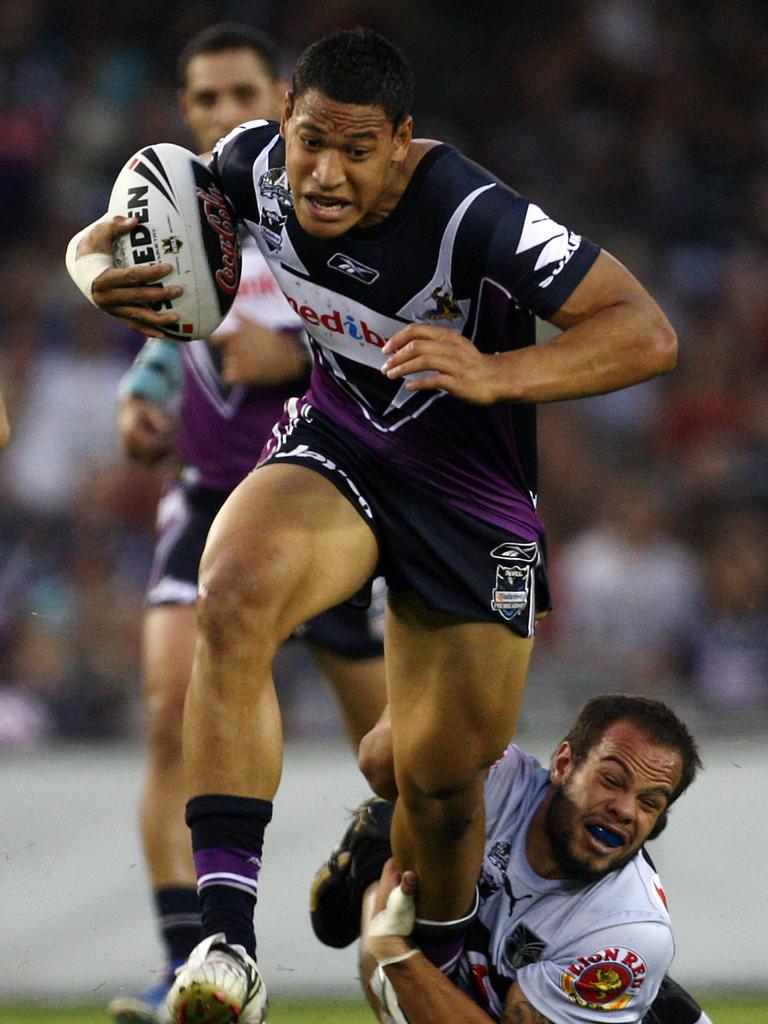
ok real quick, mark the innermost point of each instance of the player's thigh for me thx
(455, 690)
(287, 540)
(168, 652)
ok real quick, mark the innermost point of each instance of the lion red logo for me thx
(605, 980)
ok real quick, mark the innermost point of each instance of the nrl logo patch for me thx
(170, 246)
(512, 592)
(353, 268)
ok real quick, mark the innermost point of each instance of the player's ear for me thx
(561, 762)
(287, 111)
(402, 138)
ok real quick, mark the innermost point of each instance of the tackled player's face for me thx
(603, 809)
(343, 162)
(226, 89)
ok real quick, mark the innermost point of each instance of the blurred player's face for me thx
(603, 809)
(344, 162)
(225, 89)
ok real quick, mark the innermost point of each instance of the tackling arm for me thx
(409, 988)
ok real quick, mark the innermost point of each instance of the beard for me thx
(561, 822)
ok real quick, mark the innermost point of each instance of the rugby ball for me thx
(185, 220)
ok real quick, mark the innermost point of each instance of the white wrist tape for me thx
(397, 917)
(85, 269)
(397, 959)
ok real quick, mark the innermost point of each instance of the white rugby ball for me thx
(184, 220)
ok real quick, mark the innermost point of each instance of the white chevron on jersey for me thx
(269, 208)
(422, 304)
(559, 243)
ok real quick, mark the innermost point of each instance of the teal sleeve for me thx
(155, 374)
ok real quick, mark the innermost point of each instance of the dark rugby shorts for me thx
(456, 563)
(184, 517)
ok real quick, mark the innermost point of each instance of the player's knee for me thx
(446, 813)
(235, 605)
(439, 768)
(374, 758)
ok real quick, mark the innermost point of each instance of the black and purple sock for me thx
(178, 915)
(227, 840)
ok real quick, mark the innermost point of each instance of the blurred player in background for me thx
(228, 74)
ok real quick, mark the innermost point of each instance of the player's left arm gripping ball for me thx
(124, 293)
(443, 360)
(166, 259)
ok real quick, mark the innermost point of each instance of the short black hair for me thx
(357, 66)
(229, 35)
(652, 716)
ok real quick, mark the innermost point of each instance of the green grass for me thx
(280, 1012)
(726, 1009)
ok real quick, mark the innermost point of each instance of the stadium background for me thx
(641, 124)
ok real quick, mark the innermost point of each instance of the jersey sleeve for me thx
(505, 786)
(232, 164)
(539, 261)
(611, 975)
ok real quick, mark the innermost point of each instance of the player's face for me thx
(225, 89)
(344, 162)
(603, 809)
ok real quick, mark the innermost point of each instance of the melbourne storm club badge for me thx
(514, 573)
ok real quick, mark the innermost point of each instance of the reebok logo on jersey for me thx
(366, 275)
(605, 980)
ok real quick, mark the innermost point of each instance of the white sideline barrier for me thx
(76, 918)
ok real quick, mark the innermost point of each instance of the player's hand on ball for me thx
(126, 293)
(442, 359)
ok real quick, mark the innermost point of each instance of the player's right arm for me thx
(124, 293)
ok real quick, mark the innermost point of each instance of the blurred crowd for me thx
(641, 123)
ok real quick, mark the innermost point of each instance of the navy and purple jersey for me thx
(223, 427)
(461, 250)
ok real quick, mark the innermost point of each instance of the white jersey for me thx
(580, 951)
